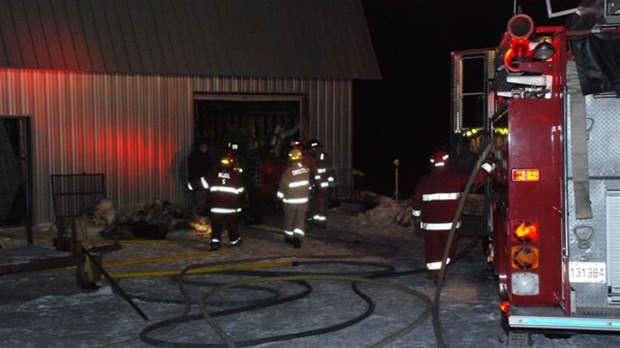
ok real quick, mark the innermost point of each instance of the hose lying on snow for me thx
(381, 343)
(146, 334)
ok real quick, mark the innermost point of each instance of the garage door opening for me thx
(272, 120)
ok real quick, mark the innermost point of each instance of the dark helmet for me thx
(228, 161)
(439, 158)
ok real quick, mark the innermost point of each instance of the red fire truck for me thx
(548, 101)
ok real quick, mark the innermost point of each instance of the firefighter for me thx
(434, 204)
(225, 190)
(322, 183)
(199, 165)
(252, 177)
(294, 189)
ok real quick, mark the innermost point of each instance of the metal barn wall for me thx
(137, 130)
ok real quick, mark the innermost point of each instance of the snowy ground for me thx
(276, 296)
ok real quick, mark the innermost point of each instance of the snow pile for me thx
(380, 221)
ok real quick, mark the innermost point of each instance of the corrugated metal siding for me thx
(137, 130)
(251, 38)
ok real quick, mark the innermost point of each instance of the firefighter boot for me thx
(294, 241)
(435, 278)
(215, 244)
(237, 242)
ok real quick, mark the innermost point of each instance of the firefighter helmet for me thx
(295, 144)
(295, 155)
(232, 146)
(439, 158)
(228, 161)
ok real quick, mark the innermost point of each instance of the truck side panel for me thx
(536, 142)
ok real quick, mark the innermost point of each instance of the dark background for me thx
(407, 113)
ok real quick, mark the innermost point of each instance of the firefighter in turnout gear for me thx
(294, 190)
(225, 190)
(321, 184)
(434, 204)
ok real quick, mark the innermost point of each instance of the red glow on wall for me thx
(134, 157)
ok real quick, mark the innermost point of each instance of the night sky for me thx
(406, 114)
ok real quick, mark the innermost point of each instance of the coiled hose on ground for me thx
(432, 307)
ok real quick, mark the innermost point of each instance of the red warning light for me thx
(504, 306)
(526, 231)
(531, 174)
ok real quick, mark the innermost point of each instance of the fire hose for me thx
(242, 267)
(446, 252)
(290, 277)
(355, 280)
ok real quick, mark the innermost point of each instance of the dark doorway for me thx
(230, 122)
(15, 171)
(272, 120)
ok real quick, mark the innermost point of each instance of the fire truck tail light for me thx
(524, 257)
(525, 174)
(526, 231)
(504, 306)
(525, 284)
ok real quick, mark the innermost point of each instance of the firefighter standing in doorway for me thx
(294, 190)
(225, 189)
(434, 204)
(322, 183)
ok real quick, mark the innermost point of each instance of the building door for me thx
(15, 172)
(273, 120)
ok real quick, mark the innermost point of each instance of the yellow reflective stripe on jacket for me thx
(295, 200)
(299, 183)
(438, 226)
(226, 189)
(441, 196)
(225, 210)
(204, 182)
